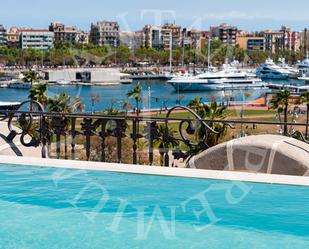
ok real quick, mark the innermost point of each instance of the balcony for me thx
(167, 141)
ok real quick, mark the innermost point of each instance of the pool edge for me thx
(154, 170)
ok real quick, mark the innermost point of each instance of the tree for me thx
(281, 103)
(31, 77)
(136, 94)
(162, 145)
(210, 112)
(63, 103)
(304, 99)
(126, 106)
(39, 93)
(95, 98)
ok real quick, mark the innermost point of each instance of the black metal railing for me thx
(126, 138)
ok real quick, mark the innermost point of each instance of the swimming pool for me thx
(69, 208)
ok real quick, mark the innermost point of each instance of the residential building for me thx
(168, 32)
(305, 41)
(274, 40)
(282, 39)
(152, 37)
(291, 39)
(162, 37)
(12, 37)
(250, 42)
(64, 33)
(132, 40)
(105, 34)
(226, 33)
(36, 38)
(193, 38)
(3, 41)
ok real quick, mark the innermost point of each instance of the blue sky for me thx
(133, 14)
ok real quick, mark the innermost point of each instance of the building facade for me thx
(250, 42)
(226, 33)
(274, 41)
(3, 40)
(12, 37)
(162, 37)
(291, 41)
(36, 39)
(132, 40)
(168, 32)
(304, 41)
(105, 34)
(63, 33)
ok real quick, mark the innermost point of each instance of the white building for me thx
(85, 75)
(36, 39)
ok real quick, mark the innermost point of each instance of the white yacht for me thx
(269, 70)
(294, 72)
(228, 78)
(20, 85)
(303, 67)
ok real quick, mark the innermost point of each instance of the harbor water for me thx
(156, 95)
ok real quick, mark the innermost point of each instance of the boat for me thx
(63, 82)
(303, 67)
(228, 78)
(125, 79)
(4, 106)
(269, 70)
(19, 85)
(294, 72)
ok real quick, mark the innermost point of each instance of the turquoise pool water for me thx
(53, 208)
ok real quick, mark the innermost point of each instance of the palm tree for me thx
(126, 106)
(136, 94)
(63, 103)
(210, 112)
(94, 99)
(281, 103)
(161, 144)
(304, 99)
(39, 93)
(31, 77)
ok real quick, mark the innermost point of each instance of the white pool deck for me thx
(154, 170)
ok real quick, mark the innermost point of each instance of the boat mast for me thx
(171, 50)
(183, 49)
(208, 59)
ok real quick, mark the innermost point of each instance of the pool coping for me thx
(155, 170)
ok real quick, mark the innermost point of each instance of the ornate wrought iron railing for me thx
(126, 138)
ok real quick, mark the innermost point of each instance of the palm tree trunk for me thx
(285, 120)
(307, 122)
(137, 108)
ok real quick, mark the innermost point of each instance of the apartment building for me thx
(193, 37)
(3, 41)
(162, 37)
(12, 37)
(39, 39)
(226, 33)
(105, 34)
(132, 40)
(63, 33)
(168, 32)
(274, 41)
(304, 37)
(291, 39)
(251, 42)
